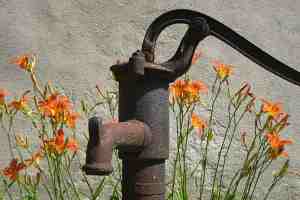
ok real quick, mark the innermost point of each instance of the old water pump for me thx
(142, 135)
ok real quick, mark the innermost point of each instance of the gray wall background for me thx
(77, 41)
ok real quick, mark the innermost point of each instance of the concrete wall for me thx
(77, 41)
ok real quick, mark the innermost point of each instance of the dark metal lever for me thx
(201, 26)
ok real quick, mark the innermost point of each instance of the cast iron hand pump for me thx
(142, 135)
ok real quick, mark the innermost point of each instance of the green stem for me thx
(67, 169)
(220, 153)
(258, 176)
(236, 123)
(7, 189)
(275, 181)
(207, 141)
(179, 125)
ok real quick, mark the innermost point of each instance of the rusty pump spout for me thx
(142, 135)
(103, 137)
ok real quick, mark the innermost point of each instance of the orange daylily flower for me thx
(19, 104)
(58, 143)
(3, 94)
(22, 61)
(58, 107)
(48, 106)
(55, 101)
(25, 61)
(196, 56)
(199, 124)
(54, 104)
(177, 88)
(12, 171)
(223, 70)
(272, 109)
(71, 119)
(192, 91)
(72, 144)
(185, 91)
(196, 87)
(62, 103)
(277, 145)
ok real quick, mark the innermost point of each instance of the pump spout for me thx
(132, 135)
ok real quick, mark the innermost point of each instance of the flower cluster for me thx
(277, 120)
(56, 145)
(15, 167)
(59, 144)
(186, 91)
(58, 108)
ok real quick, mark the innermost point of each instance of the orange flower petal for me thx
(277, 144)
(272, 109)
(71, 119)
(13, 169)
(3, 94)
(198, 123)
(25, 61)
(72, 144)
(19, 104)
(223, 70)
(59, 141)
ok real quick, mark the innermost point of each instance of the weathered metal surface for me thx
(103, 137)
(143, 179)
(147, 102)
(143, 95)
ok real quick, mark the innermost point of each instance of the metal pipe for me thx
(143, 175)
(103, 138)
(143, 179)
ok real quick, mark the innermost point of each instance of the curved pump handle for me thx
(199, 27)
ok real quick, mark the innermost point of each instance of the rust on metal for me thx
(143, 179)
(132, 134)
(142, 135)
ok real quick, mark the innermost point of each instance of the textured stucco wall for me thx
(77, 41)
